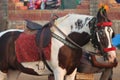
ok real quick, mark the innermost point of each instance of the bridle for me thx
(96, 33)
(106, 24)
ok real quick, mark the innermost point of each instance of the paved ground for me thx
(116, 75)
(30, 77)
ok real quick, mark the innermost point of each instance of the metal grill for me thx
(93, 7)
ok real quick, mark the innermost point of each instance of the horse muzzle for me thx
(111, 56)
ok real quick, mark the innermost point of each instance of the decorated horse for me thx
(97, 47)
(101, 42)
(55, 48)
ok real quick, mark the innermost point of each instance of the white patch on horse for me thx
(68, 23)
(3, 76)
(3, 32)
(109, 35)
(112, 54)
(71, 76)
(37, 66)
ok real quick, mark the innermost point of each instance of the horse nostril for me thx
(109, 56)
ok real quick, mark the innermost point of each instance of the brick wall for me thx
(44, 15)
(83, 8)
(16, 17)
(114, 13)
(15, 14)
(40, 14)
(3, 14)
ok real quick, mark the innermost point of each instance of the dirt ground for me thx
(116, 75)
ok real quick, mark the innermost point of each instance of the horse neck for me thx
(67, 24)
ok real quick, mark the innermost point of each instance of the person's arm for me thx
(58, 3)
(103, 65)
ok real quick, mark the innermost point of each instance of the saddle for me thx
(32, 25)
(43, 33)
(33, 43)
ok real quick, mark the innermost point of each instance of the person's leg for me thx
(86, 65)
(106, 74)
(110, 77)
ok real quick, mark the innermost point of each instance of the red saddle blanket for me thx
(27, 50)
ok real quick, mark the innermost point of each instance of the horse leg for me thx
(71, 76)
(106, 74)
(3, 76)
(59, 73)
(13, 74)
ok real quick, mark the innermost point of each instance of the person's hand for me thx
(103, 65)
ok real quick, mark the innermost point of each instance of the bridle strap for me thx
(109, 49)
(63, 40)
(104, 24)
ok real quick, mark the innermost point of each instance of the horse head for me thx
(102, 34)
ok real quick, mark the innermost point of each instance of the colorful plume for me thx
(104, 6)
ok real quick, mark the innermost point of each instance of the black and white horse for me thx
(101, 34)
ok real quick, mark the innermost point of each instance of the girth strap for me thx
(43, 35)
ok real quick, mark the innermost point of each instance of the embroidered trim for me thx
(109, 49)
(108, 24)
